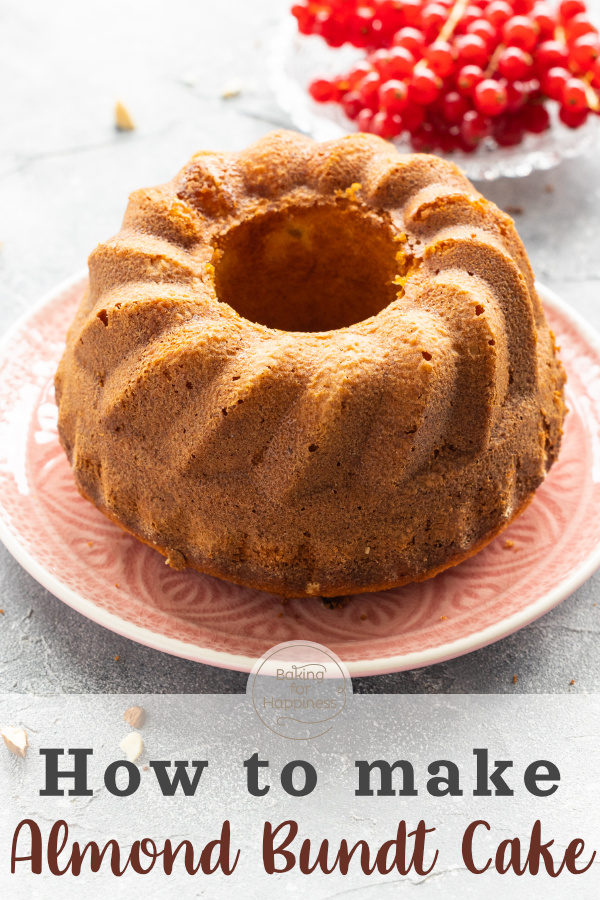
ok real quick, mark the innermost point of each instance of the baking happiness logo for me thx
(299, 689)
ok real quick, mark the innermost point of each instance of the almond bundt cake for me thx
(313, 369)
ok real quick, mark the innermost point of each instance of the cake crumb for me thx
(350, 192)
(367, 551)
(549, 188)
(117, 658)
(443, 618)
(514, 210)
(2, 611)
(572, 681)
(353, 190)
(90, 543)
(335, 602)
(117, 584)
(508, 544)
(515, 679)
(123, 120)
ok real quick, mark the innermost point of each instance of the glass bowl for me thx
(295, 60)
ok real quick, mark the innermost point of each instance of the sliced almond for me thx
(135, 716)
(132, 746)
(123, 119)
(16, 740)
(232, 88)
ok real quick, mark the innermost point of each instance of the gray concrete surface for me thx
(64, 178)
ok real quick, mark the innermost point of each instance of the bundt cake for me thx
(312, 369)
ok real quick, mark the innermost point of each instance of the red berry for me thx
(468, 78)
(516, 96)
(573, 118)
(536, 118)
(466, 148)
(532, 88)
(440, 57)
(475, 127)
(386, 125)
(570, 8)
(520, 32)
(584, 52)
(360, 26)
(454, 106)
(578, 26)
(514, 63)
(472, 50)
(368, 89)
(425, 86)
(412, 39)
(322, 90)
(379, 59)
(447, 141)
(508, 130)
(364, 119)
(332, 28)
(490, 97)
(485, 30)
(401, 63)
(304, 18)
(356, 75)
(550, 54)
(471, 14)
(393, 96)
(352, 104)
(411, 10)
(433, 16)
(413, 117)
(574, 95)
(390, 14)
(543, 17)
(423, 139)
(554, 82)
(341, 87)
(498, 12)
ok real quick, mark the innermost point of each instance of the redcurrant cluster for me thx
(453, 72)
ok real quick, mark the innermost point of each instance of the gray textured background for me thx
(65, 175)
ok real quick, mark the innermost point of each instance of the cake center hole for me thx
(314, 269)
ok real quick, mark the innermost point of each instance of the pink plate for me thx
(107, 575)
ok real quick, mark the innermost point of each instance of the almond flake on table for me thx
(15, 739)
(232, 88)
(132, 746)
(123, 120)
(135, 716)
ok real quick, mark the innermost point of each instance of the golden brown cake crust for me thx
(313, 369)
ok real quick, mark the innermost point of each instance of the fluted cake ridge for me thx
(313, 369)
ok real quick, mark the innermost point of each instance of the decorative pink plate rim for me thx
(573, 579)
